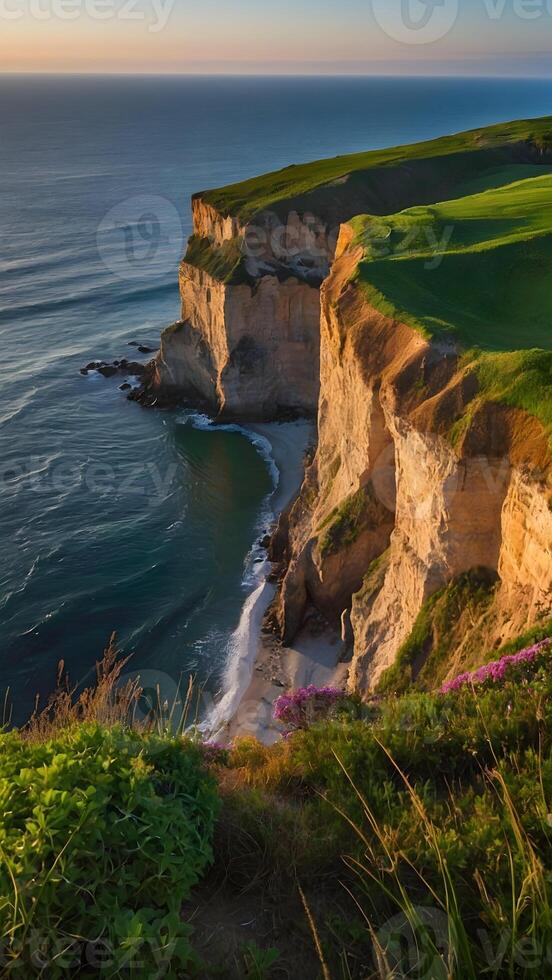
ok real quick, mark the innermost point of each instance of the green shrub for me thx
(426, 655)
(344, 524)
(222, 262)
(103, 832)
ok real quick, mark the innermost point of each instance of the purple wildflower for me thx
(498, 669)
(298, 709)
(213, 752)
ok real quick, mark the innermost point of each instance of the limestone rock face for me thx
(301, 244)
(209, 223)
(392, 509)
(250, 350)
(525, 562)
(437, 511)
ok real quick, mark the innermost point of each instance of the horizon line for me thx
(110, 73)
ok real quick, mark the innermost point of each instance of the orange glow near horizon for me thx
(171, 36)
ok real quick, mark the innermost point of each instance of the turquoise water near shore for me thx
(113, 517)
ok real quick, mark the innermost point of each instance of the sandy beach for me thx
(314, 658)
(262, 668)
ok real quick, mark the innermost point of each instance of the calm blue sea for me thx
(114, 517)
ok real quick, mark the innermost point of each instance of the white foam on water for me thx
(204, 422)
(242, 647)
(242, 651)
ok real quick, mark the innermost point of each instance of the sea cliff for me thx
(349, 290)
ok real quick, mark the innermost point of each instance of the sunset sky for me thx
(278, 36)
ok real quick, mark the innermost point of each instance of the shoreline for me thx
(314, 658)
(262, 668)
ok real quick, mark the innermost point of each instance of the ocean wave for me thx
(13, 411)
(45, 620)
(261, 443)
(242, 646)
(101, 294)
(143, 292)
(242, 651)
(36, 568)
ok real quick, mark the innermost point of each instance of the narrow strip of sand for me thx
(289, 442)
(314, 658)
(263, 668)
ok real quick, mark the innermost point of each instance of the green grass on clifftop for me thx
(470, 262)
(479, 267)
(478, 270)
(249, 197)
(223, 263)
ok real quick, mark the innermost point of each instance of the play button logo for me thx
(416, 21)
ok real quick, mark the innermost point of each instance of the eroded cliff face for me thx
(249, 350)
(393, 508)
(391, 511)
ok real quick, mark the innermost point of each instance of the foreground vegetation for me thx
(405, 836)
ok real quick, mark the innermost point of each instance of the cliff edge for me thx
(402, 296)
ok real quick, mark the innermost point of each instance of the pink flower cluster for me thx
(212, 752)
(497, 670)
(299, 708)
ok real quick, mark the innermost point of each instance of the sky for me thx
(480, 37)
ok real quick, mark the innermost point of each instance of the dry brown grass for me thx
(107, 701)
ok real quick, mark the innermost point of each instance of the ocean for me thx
(113, 517)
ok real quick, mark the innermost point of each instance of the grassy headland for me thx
(473, 154)
(457, 239)
(477, 270)
(478, 267)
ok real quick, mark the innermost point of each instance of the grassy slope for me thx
(251, 196)
(491, 286)
(448, 801)
(478, 266)
(384, 809)
(224, 263)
